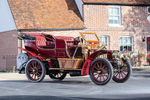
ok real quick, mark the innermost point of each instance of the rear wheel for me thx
(101, 71)
(122, 73)
(58, 76)
(35, 70)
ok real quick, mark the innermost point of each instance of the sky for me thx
(6, 19)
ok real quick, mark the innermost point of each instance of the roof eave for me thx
(121, 4)
(52, 29)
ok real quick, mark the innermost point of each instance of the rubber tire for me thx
(128, 76)
(110, 70)
(43, 71)
(57, 79)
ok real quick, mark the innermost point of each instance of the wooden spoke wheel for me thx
(101, 71)
(122, 73)
(58, 76)
(35, 70)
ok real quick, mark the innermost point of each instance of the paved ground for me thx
(15, 86)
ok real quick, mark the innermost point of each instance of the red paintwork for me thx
(53, 47)
(69, 40)
(100, 52)
(31, 53)
(85, 68)
(148, 48)
(50, 64)
(49, 46)
(61, 48)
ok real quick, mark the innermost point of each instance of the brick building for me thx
(8, 37)
(121, 24)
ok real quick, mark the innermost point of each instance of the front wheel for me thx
(122, 73)
(101, 71)
(35, 70)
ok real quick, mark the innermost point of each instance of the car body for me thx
(57, 56)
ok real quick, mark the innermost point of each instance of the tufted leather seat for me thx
(40, 41)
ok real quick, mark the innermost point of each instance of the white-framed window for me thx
(114, 15)
(126, 43)
(104, 40)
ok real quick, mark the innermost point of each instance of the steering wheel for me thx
(85, 44)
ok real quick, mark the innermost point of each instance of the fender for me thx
(85, 68)
(101, 52)
(87, 63)
(32, 53)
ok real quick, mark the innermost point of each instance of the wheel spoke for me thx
(124, 73)
(96, 67)
(100, 71)
(103, 77)
(117, 74)
(34, 70)
(103, 67)
(32, 75)
(125, 70)
(121, 75)
(98, 76)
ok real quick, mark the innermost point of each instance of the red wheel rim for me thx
(100, 71)
(34, 70)
(122, 74)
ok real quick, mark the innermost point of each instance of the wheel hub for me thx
(34, 70)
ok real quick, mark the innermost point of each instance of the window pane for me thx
(104, 40)
(121, 48)
(126, 44)
(116, 18)
(110, 21)
(110, 11)
(116, 11)
(116, 22)
(114, 15)
(131, 40)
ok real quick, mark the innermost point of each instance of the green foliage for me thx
(141, 54)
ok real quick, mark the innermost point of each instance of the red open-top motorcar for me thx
(57, 56)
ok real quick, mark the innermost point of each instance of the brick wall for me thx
(133, 23)
(8, 49)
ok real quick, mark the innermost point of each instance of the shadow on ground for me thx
(63, 98)
(60, 82)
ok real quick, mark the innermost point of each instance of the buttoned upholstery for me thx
(40, 41)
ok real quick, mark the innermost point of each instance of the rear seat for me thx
(69, 40)
(40, 41)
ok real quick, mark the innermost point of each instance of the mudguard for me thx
(86, 66)
(87, 63)
(32, 54)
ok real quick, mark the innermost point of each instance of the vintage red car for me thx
(57, 56)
